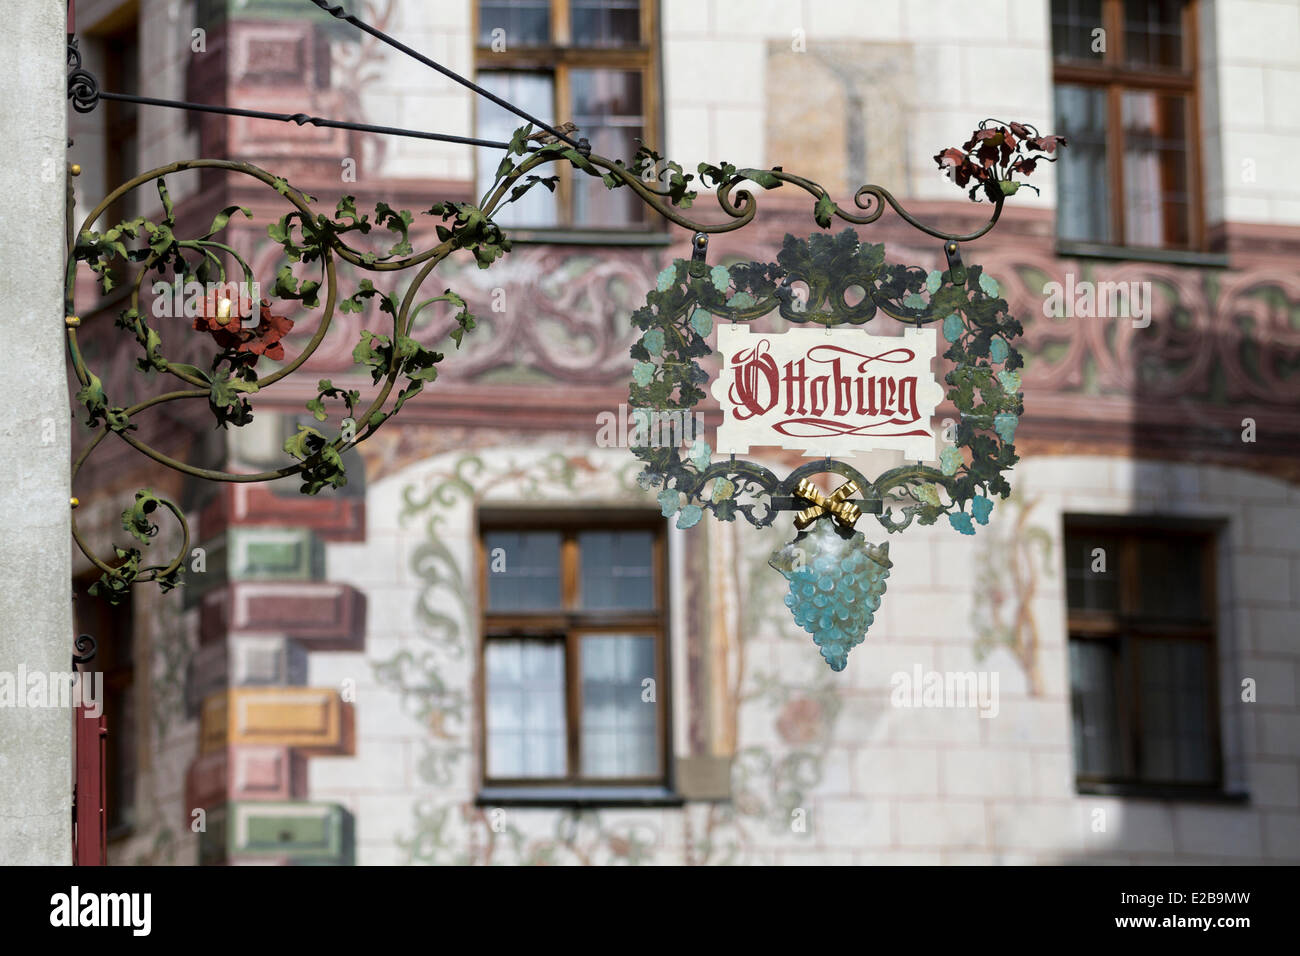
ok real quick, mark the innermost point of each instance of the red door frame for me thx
(89, 793)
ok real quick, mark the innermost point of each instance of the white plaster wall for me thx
(35, 609)
(1257, 59)
(895, 785)
(974, 60)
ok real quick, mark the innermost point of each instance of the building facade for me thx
(490, 647)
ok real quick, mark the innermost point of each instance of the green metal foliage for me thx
(984, 384)
(393, 358)
(396, 360)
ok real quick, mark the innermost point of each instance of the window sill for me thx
(1185, 257)
(578, 797)
(591, 237)
(1156, 792)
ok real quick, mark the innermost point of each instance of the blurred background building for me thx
(349, 680)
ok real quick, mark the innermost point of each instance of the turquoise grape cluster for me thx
(836, 582)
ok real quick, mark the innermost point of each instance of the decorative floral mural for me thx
(768, 784)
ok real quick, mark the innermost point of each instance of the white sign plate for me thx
(832, 393)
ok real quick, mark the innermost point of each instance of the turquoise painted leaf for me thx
(741, 300)
(702, 322)
(666, 279)
(720, 277)
(961, 521)
(913, 300)
(701, 454)
(642, 373)
(653, 341)
(980, 508)
(933, 281)
(1005, 425)
(949, 461)
(1010, 381)
(989, 285)
(690, 516)
(668, 500)
(952, 327)
(998, 350)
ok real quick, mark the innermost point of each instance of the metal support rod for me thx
(302, 119)
(339, 13)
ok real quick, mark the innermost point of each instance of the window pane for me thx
(1169, 577)
(605, 22)
(1094, 709)
(1157, 180)
(525, 22)
(120, 717)
(617, 570)
(1175, 696)
(609, 110)
(525, 708)
(535, 94)
(619, 729)
(523, 570)
(1083, 193)
(1153, 34)
(1073, 23)
(1086, 589)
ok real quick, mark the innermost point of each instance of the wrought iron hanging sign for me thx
(824, 392)
(838, 391)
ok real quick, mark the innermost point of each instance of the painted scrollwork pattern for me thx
(769, 781)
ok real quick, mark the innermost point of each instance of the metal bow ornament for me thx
(836, 504)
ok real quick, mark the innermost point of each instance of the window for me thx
(1125, 98)
(573, 654)
(112, 628)
(118, 39)
(1142, 656)
(591, 62)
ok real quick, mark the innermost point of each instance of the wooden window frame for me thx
(1112, 76)
(569, 624)
(121, 121)
(559, 58)
(1128, 627)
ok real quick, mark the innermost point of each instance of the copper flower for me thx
(222, 319)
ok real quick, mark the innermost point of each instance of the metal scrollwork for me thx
(83, 89)
(249, 332)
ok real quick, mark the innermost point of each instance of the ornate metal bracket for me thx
(245, 333)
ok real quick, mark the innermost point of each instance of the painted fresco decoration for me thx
(839, 390)
(246, 329)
